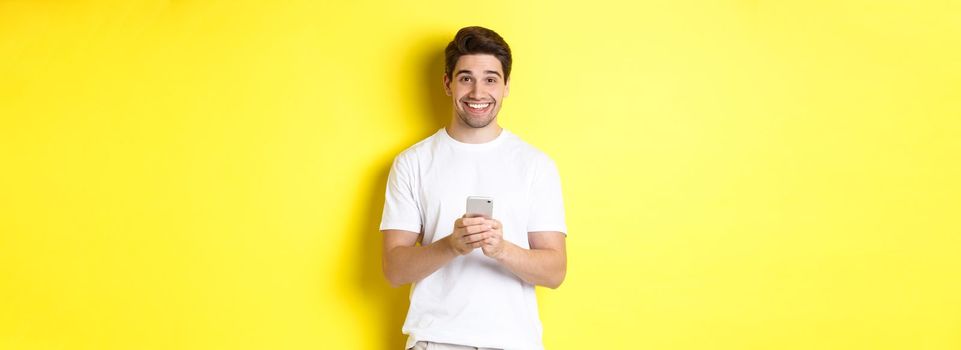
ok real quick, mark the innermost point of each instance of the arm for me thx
(404, 262)
(544, 264)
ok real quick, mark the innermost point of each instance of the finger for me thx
(477, 229)
(459, 223)
(472, 221)
(495, 232)
(477, 237)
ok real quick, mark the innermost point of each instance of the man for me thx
(464, 297)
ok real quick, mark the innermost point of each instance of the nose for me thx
(476, 91)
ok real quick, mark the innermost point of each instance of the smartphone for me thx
(480, 206)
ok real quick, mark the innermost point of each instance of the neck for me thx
(466, 134)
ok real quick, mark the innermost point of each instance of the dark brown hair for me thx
(477, 40)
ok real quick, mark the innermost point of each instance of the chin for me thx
(475, 123)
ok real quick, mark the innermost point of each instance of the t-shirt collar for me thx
(472, 146)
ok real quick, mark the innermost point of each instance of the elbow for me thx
(392, 276)
(395, 283)
(559, 273)
(553, 284)
(556, 282)
(391, 279)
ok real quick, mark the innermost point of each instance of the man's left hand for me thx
(494, 245)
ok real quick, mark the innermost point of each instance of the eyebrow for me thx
(462, 71)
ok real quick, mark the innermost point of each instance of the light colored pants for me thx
(429, 345)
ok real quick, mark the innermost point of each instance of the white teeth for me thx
(478, 105)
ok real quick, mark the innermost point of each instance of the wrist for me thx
(449, 248)
(506, 252)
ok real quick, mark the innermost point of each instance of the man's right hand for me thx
(469, 234)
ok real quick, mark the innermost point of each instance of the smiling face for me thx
(477, 89)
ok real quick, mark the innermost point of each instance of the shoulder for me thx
(411, 154)
(529, 152)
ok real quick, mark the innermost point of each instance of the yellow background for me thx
(737, 174)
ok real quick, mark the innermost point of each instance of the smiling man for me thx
(464, 297)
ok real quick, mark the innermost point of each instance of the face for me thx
(477, 89)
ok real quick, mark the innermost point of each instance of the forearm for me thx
(544, 267)
(404, 265)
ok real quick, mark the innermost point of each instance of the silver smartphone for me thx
(480, 206)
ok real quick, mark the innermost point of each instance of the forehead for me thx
(479, 63)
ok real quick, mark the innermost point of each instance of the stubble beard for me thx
(476, 123)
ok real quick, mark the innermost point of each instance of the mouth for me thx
(478, 108)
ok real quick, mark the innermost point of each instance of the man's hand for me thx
(494, 243)
(470, 233)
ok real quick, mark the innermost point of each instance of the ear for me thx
(447, 84)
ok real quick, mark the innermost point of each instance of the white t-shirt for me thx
(473, 300)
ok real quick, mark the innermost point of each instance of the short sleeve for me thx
(401, 209)
(547, 203)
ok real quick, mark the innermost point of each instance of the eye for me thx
(465, 79)
(491, 80)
